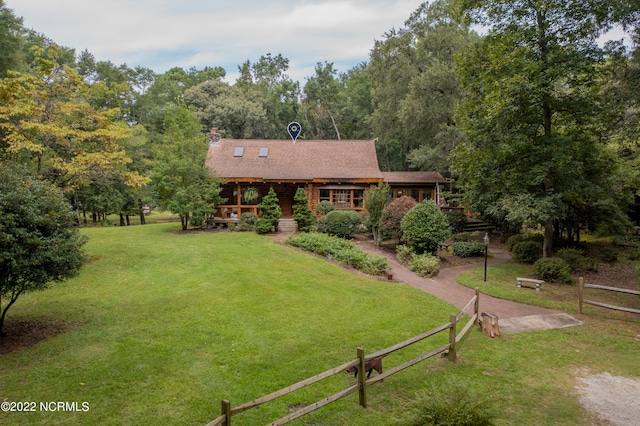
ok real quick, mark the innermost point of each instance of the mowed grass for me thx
(167, 324)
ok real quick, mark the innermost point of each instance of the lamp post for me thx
(486, 251)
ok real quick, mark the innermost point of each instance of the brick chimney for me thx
(214, 137)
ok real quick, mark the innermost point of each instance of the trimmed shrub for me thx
(242, 227)
(468, 249)
(553, 269)
(425, 265)
(424, 227)
(573, 257)
(518, 238)
(392, 215)
(342, 223)
(322, 244)
(324, 207)
(527, 251)
(404, 254)
(248, 217)
(457, 221)
(263, 226)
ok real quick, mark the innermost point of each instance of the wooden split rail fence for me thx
(227, 412)
(581, 300)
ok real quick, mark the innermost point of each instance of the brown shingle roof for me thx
(304, 160)
(412, 177)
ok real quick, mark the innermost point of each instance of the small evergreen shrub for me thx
(425, 265)
(242, 227)
(263, 226)
(573, 257)
(518, 238)
(527, 251)
(468, 249)
(301, 211)
(248, 217)
(324, 207)
(553, 269)
(270, 209)
(342, 223)
(404, 254)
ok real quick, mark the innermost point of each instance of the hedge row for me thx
(340, 250)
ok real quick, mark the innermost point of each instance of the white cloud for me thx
(161, 34)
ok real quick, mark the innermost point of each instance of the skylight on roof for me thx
(239, 151)
(264, 152)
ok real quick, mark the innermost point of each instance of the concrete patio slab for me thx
(536, 322)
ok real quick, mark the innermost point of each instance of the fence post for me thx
(452, 338)
(226, 411)
(362, 378)
(476, 306)
(580, 294)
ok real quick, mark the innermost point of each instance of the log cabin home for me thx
(338, 171)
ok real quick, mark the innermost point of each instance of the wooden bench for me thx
(537, 283)
(214, 221)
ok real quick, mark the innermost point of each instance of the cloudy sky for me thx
(161, 34)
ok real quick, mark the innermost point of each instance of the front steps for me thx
(287, 225)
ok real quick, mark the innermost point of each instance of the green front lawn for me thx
(164, 325)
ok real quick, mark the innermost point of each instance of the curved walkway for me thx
(513, 316)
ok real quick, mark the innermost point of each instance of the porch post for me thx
(238, 198)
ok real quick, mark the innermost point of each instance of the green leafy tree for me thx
(322, 93)
(356, 104)
(11, 41)
(301, 211)
(414, 89)
(266, 81)
(167, 88)
(39, 240)
(424, 227)
(271, 211)
(184, 185)
(533, 115)
(235, 113)
(50, 123)
(375, 200)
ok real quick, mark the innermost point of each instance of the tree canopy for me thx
(183, 183)
(39, 240)
(533, 114)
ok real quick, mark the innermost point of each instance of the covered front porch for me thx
(237, 203)
(342, 196)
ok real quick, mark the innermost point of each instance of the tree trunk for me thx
(547, 247)
(121, 219)
(143, 220)
(14, 297)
